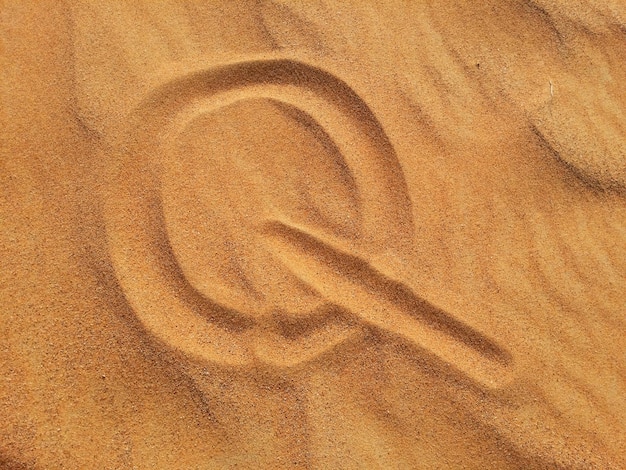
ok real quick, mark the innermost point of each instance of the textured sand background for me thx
(261, 234)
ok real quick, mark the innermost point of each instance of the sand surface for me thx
(267, 234)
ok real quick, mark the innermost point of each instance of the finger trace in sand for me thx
(389, 305)
(143, 257)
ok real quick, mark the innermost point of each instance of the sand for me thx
(267, 234)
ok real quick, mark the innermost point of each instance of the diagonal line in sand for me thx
(381, 302)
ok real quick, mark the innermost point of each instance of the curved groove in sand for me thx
(156, 288)
(144, 260)
(327, 100)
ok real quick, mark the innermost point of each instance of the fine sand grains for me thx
(269, 234)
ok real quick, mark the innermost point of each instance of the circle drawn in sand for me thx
(184, 318)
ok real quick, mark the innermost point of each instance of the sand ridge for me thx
(288, 235)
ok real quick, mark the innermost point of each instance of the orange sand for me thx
(267, 234)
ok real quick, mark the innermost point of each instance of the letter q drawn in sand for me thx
(198, 319)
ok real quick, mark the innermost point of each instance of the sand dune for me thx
(268, 234)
